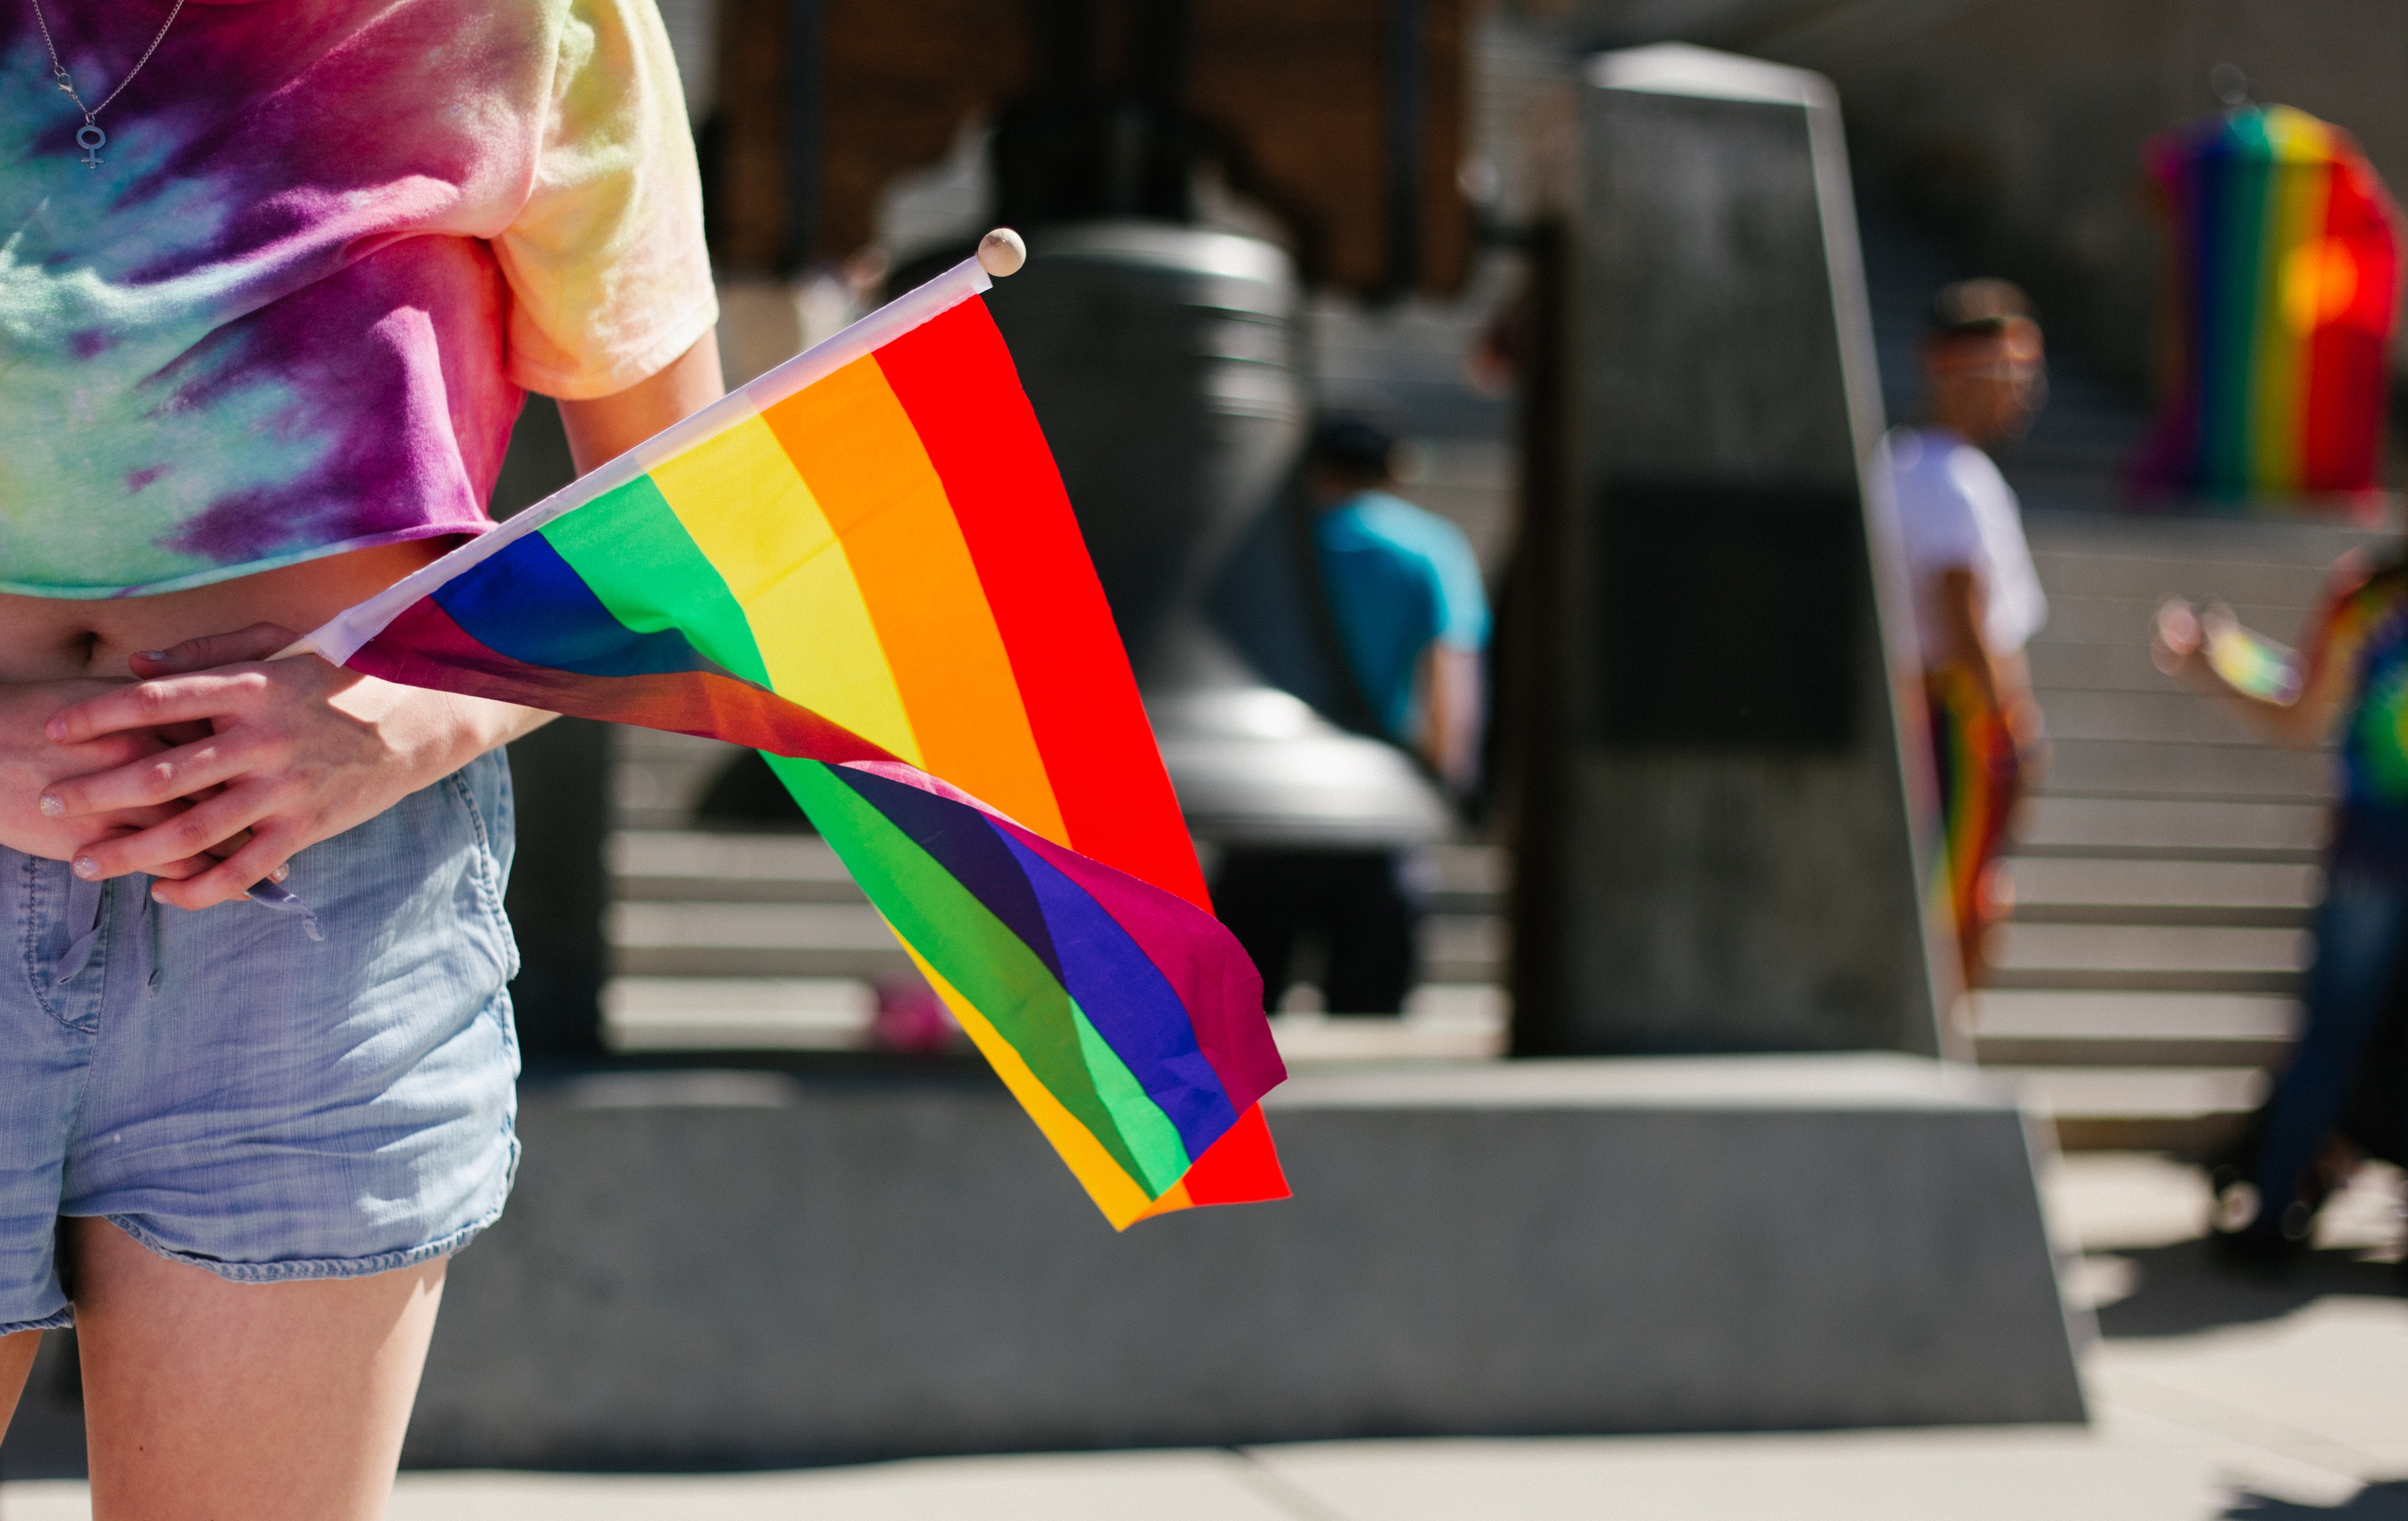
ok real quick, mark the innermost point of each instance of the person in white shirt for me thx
(1977, 599)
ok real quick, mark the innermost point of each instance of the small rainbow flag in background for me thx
(2284, 287)
(864, 564)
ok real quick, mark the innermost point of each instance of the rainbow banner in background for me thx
(864, 564)
(2282, 292)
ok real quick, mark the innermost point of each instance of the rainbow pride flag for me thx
(2282, 288)
(864, 564)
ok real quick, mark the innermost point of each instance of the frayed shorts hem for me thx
(57, 1320)
(311, 1268)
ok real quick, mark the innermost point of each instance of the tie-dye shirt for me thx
(328, 245)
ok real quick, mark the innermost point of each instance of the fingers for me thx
(2178, 635)
(187, 771)
(188, 834)
(260, 641)
(144, 705)
(193, 866)
(228, 880)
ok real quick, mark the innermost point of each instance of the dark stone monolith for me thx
(1719, 854)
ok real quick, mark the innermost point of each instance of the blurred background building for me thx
(2165, 875)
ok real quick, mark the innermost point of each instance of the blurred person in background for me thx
(1409, 617)
(1977, 599)
(2351, 675)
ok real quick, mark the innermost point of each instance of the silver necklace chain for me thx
(89, 137)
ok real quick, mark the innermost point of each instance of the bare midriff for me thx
(47, 639)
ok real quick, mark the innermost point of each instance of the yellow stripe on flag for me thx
(1113, 1190)
(871, 476)
(738, 497)
(2297, 180)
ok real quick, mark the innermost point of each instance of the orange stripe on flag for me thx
(864, 462)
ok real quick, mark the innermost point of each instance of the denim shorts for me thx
(232, 1092)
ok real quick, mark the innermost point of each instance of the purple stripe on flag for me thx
(1129, 1003)
(1201, 960)
(959, 839)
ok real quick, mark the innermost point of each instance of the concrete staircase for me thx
(2146, 979)
(2149, 973)
(761, 941)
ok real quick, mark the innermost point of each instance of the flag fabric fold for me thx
(864, 564)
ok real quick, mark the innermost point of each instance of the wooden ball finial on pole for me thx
(1001, 252)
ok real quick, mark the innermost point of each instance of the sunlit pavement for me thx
(2211, 1398)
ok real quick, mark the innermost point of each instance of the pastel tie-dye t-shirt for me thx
(329, 244)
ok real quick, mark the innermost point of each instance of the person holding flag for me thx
(265, 376)
(275, 282)
(2349, 681)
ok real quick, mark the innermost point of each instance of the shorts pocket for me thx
(488, 832)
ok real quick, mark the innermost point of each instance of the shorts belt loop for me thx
(84, 902)
(153, 970)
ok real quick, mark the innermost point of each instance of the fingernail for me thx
(55, 729)
(86, 868)
(52, 808)
(158, 897)
(280, 873)
(152, 654)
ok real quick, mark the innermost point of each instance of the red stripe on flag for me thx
(2348, 377)
(956, 380)
(1240, 1168)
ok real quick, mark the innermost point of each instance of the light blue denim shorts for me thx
(233, 1093)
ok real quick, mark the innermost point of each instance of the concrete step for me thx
(2126, 769)
(2165, 716)
(1466, 879)
(821, 940)
(2065, 667)
(2155, 958)
(2189, 1111)
(2069, 890)
(675, 865)
(736, 1013)
(2062, 1028)
(687, 865)
(658, 777)
(2187, 829)
(2081, 556)
(1441, 1022)
(774, 939)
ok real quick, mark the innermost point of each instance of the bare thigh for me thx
(204, 1397)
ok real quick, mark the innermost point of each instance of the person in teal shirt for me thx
(1405, 598)
(1405, 592)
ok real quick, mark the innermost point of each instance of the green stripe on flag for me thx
(996, 971)
(1143, 1124)
(630, 550)
(2231, 372)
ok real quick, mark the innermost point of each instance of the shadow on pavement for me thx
(2381, 1500)
(2182, 1288)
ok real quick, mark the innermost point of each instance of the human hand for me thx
(2175, 637)
(31, 762)
(292, 750)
